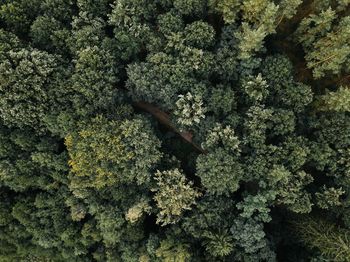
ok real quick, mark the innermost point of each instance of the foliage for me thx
(326, 44)
(29, 87)
(105, 153)
(173, 195)
(171, 250)
(93, 80)
(256, 88)
(189, 109)
(329, 197)
(227, 8)
(330, 240)
(224, 136)
(220, 172)
(289, 8)
(251, 40)
(185, 130)
(136, 211)
(219, 244)
(338, 100)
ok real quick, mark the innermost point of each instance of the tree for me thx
(18, 15)
(228, 9)
(338, 100)
(321, 42)
(220, 172)
(329, 197)
(30, 87)
(330, 240)
(49, 34)
(173, 195)
(187, 7)
(125, 151)
(30, 162)
(251, 40)
(189, 110)
(94, 80)
(170, 250)
(288, 8)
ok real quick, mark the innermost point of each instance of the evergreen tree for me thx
(326, 44)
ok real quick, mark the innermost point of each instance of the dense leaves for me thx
(185, 130)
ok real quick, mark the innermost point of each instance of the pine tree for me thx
(330, 240)
(325, 44)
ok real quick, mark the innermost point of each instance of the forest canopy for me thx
(175, 131)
